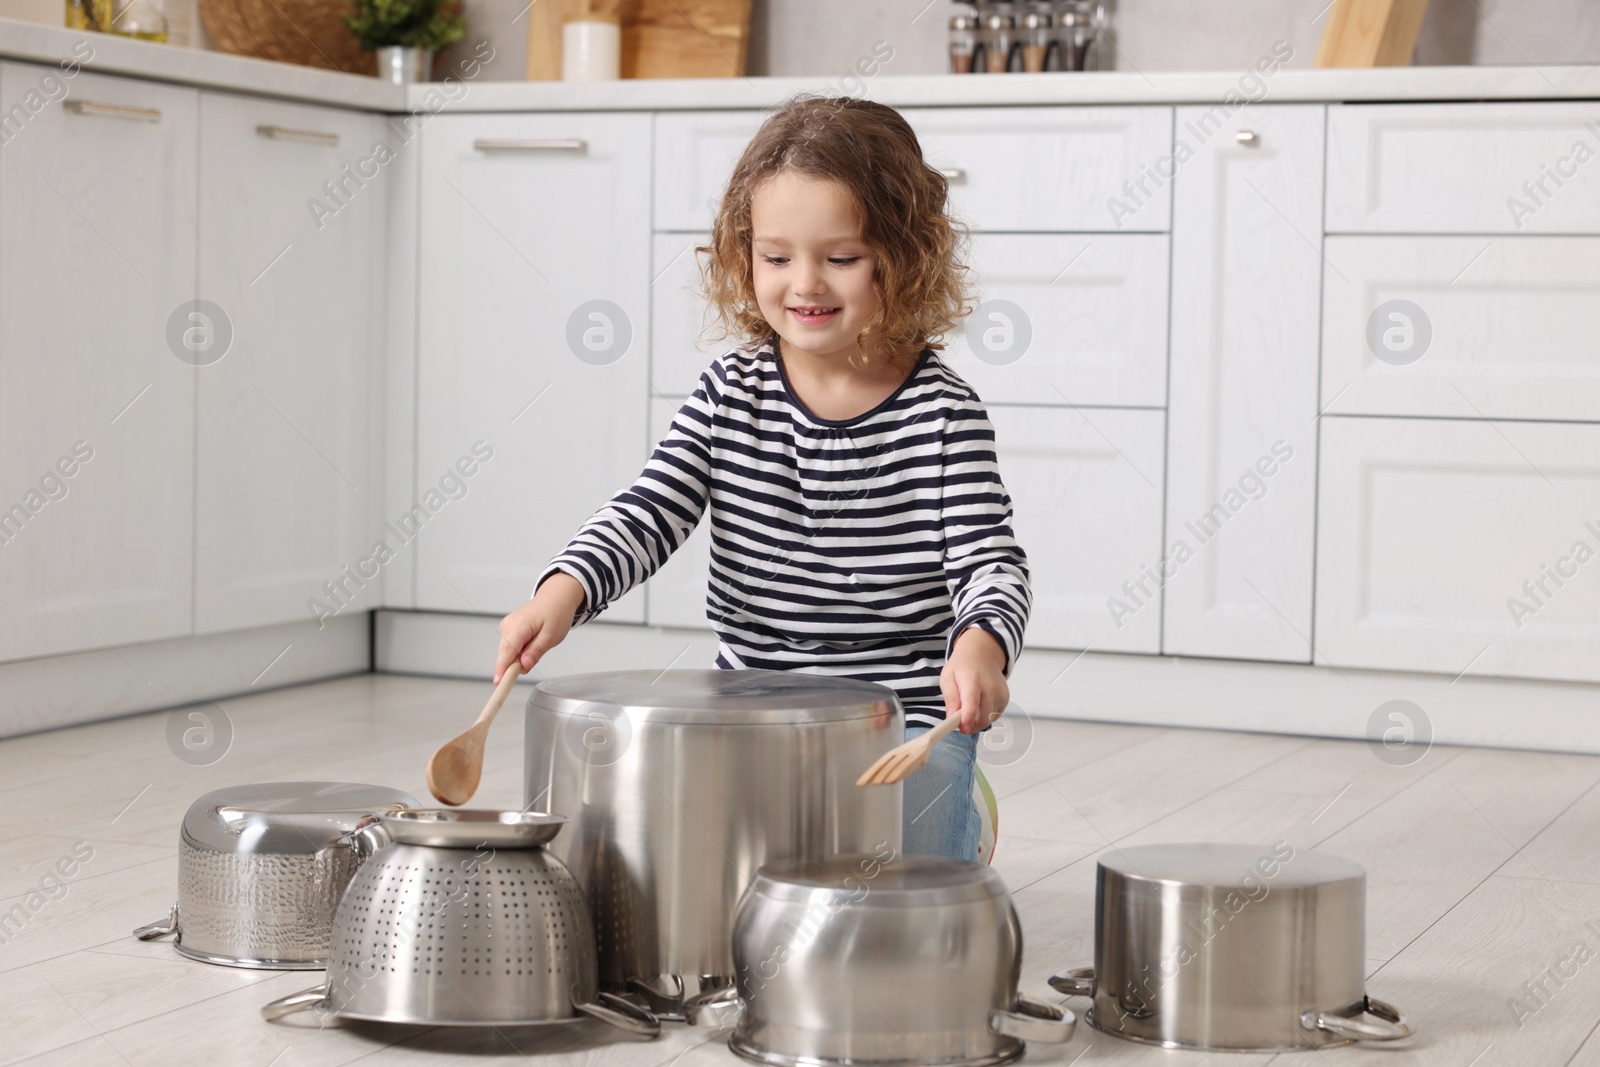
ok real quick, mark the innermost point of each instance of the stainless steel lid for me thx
(1225, 865)
(869, 881)
(285, 818)
(715, 697)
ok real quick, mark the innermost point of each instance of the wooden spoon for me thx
(454, 770)
(899, 762)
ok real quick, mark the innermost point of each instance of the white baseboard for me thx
(43, 694)
(1151, 690)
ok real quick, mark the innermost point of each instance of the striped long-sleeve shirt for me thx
(856, 547)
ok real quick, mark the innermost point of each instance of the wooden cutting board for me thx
(660, 38)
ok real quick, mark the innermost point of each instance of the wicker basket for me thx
(308, 32)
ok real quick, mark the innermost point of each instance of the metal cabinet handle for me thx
(569, 145)
(1392, 1025)
(1034, 1020)
(1078, 982)
(284, 133)
(113, 111)
(1248, 138)
(955, 174)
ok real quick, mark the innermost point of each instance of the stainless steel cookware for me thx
(462, 918)
(682, 783)
(869, 960)
(1231, 948)
(261, 869)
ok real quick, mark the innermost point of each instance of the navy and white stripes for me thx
(857, 547)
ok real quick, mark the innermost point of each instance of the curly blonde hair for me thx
(871, 150)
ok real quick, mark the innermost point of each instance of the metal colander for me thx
(480, 935)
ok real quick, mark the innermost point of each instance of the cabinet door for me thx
(1460, 546)
(678, 317)
(1241, 464)
(1064, 319)
(97, 212)
(1462, 327)
(286, 480)
(1085, 491)
(535, 240)
(678, 590)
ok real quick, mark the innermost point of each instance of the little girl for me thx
(859, 526)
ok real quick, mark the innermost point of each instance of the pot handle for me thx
(159, 928)
(623, 1014)
(1078, 982)
(294, 1002)
(1034, 1020)
(1391, 1027)
(718, 1010)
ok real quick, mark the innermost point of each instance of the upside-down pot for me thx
(868, 960)
(1228, 947)
(681, 784)
(261, 869)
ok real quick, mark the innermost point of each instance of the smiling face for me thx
(812, 273)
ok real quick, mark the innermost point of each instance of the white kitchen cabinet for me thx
(1460, 547)
(1064, 319)
(695, 154)
(1241, 445)
(1463, 327)
(286, 445)
(533, 304)
(1044, 169)
(677, 592)
(97, 210)
(680, 348)
(1464, 168)
(1085, 491)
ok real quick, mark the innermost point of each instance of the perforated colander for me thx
(468, 936)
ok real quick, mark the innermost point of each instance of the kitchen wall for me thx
(822, 37)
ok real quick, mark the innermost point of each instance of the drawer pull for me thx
(955, 174)
(113, 111)
(284, 133)
(570, 145)
(1248, 138)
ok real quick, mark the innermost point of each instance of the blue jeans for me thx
(939, 817)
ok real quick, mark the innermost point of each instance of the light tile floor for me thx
(1483, 866)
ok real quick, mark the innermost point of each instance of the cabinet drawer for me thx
(1459, 546)
(1464, 168)
(1462, 326)
(1041, 169)
(1067, 320)
(694, 155)
(1086, 508)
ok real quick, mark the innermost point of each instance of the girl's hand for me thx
(972, 681)
(539, 625)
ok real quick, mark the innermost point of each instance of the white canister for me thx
(591, 49)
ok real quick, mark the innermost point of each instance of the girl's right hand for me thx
(539, 625)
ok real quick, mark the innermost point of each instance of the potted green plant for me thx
(405, 33)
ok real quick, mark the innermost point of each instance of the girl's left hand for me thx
(972, 681)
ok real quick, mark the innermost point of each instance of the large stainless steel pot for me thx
(261, 869)
(461, 918)
(1231, 948)
(681, 784)
(891, 963)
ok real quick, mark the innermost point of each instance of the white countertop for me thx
(215, 70)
